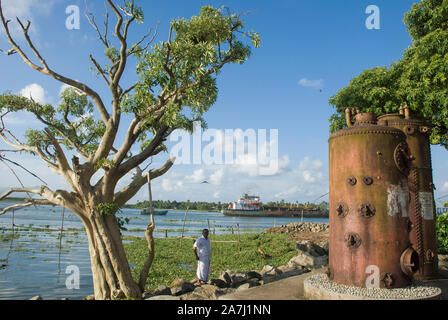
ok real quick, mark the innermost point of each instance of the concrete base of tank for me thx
(319, 287)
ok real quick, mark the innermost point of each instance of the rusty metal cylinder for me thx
(422, 209)
(369, 206)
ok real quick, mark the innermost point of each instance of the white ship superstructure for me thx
(248, 203)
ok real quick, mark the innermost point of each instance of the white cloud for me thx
(35, 92)
(197, 176)
(289, 192)
(217, 176)
(310, 170)
(169, 185)
(283, 163)
(25, 10)
(246, 163)
(18, 8)
(305, 181)
(316, 84)
(445, 186)
(308, 164)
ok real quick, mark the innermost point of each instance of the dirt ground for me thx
(316, 237)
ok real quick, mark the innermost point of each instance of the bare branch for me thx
(45, 69)
(58, 198)
(134, 161)
(148, 263)
(91, 18)
(28, 204)
(134, 49)
(22, 147)
(131, 137)
(74, 144)
(22, 190)
(116, 76)
(100, 70)
(139, 181)
(64, 166)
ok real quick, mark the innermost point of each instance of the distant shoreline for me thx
(318, 214)
(134, 206)
(182, 210)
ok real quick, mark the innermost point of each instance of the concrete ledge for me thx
(318, 287)
(285, 289)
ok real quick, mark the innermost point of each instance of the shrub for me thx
(442, 233)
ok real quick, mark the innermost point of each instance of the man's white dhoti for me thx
(203, 269)
(203, 246)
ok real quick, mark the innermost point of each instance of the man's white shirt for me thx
(203, 246)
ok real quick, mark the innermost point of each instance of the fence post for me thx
(239, 240)
(183, 228)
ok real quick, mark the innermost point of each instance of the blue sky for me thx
(309, 51)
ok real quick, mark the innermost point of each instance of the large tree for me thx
(419, 79)
(176, 86)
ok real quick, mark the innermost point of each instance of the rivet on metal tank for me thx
(369, 203)
(367, 210)
(341, 209)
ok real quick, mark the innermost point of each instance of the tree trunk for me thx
(112, 278)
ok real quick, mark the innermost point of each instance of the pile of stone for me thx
(300, 227)
(309, 256)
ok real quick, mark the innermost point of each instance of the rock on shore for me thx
(300, 227)
(309, 256)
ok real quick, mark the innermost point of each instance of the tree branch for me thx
(148, 263)
(22, 147)
(135, 161)
(91, 18)
(28, 204)
(45, 69)
(57, 198)
(123, 196)
(100, 70)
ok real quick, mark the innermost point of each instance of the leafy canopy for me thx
(72, 121)
(182, 71)
(419, 79)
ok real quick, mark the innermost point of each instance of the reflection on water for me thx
(34, 257)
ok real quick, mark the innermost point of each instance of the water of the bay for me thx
(34, 258)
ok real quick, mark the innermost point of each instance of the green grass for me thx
(169, 255)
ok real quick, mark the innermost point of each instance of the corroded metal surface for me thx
(422, 209)
(369, 204)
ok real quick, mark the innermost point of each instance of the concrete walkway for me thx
(292, 288)
(285, 289)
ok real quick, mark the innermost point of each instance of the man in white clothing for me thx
(201, 250)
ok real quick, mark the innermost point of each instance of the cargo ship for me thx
(250, 206)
